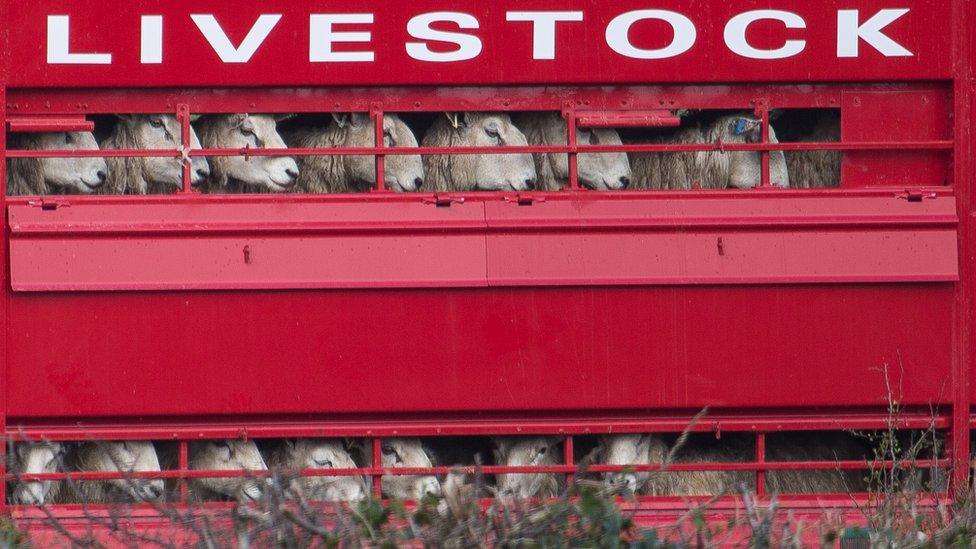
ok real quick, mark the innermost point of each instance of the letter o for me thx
(684, 34)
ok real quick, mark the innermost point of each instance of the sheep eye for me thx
(388, 449)
(543, 450)
(156, 122)
(68, 138)
(492, 130)
(323, 462)
(246, 132)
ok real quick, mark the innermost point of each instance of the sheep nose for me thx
(419, 182)
(153, 491)
(624, 182)
(203, 173)
(530, 183)
(293, 174)
(101, 176)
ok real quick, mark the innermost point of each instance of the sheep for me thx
(226, 455)
(644, 449)
(523, 452)
(595, 171)
(482, 172)
(236, 174)
(407, 452)
(42, 176)
(31, 458)
(150, 175)
(320, 454)
(356, 173)
(817, 169)
(710, 169)
(49, 457)
(641, 449)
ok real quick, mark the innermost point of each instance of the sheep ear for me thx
(279, 117)
(500, 447)
(126, 117)
(341, 119)
(359, 119)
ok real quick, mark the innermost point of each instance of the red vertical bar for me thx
(571, 140)
(377, 116)
(184, 467)
(4, 250)
(183, 116)
(569, 458)
(760, 458)
(763, 111)
(377, 462)
(966, 205)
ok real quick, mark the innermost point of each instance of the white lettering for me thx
(321, 37)
(59, 50)
(468, 46)
(619, 28)
(850, 33)
(544, 29)
(214, 34)
(735, 34)
(151, 48)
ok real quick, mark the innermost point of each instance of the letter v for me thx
(214, 34)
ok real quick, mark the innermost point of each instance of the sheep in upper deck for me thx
(150, 175)
(254, 174)
(817, 169)
(595, 171)
(710, 169)
(356, 173)
(42, 176)
(296, 455)
(482, 172)
(227, 455)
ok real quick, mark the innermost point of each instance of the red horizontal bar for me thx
(54, 123)
(627, 119)
(539, 149)
(606, 424)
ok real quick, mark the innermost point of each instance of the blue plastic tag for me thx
(740, 126)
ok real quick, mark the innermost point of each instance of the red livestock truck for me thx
(191, 315)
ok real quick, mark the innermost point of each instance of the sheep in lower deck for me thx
(710, 169)
(107, 457)
(356, 173)
(150, 175)
(254, 174)
(42, 176)
(227, 455)
(524, 452)
(647, 449)
(320, 454)
(477, 172)
(595, 171)
(407, 452)
(817, 169)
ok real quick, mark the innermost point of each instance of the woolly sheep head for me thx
(485, 172)
(629, 449)
(401, 173)
(163, 131)
(256, 131)
(323, 454)
(746, 166)
(525, 452)
(82, 175)
(35, 458)
(407, 452)
(228, 455)
(126, 457)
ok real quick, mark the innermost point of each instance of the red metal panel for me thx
(199, 246)
(906, 116)
(504, 54)
(776, 239)
(59, 123)
(474, 350)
